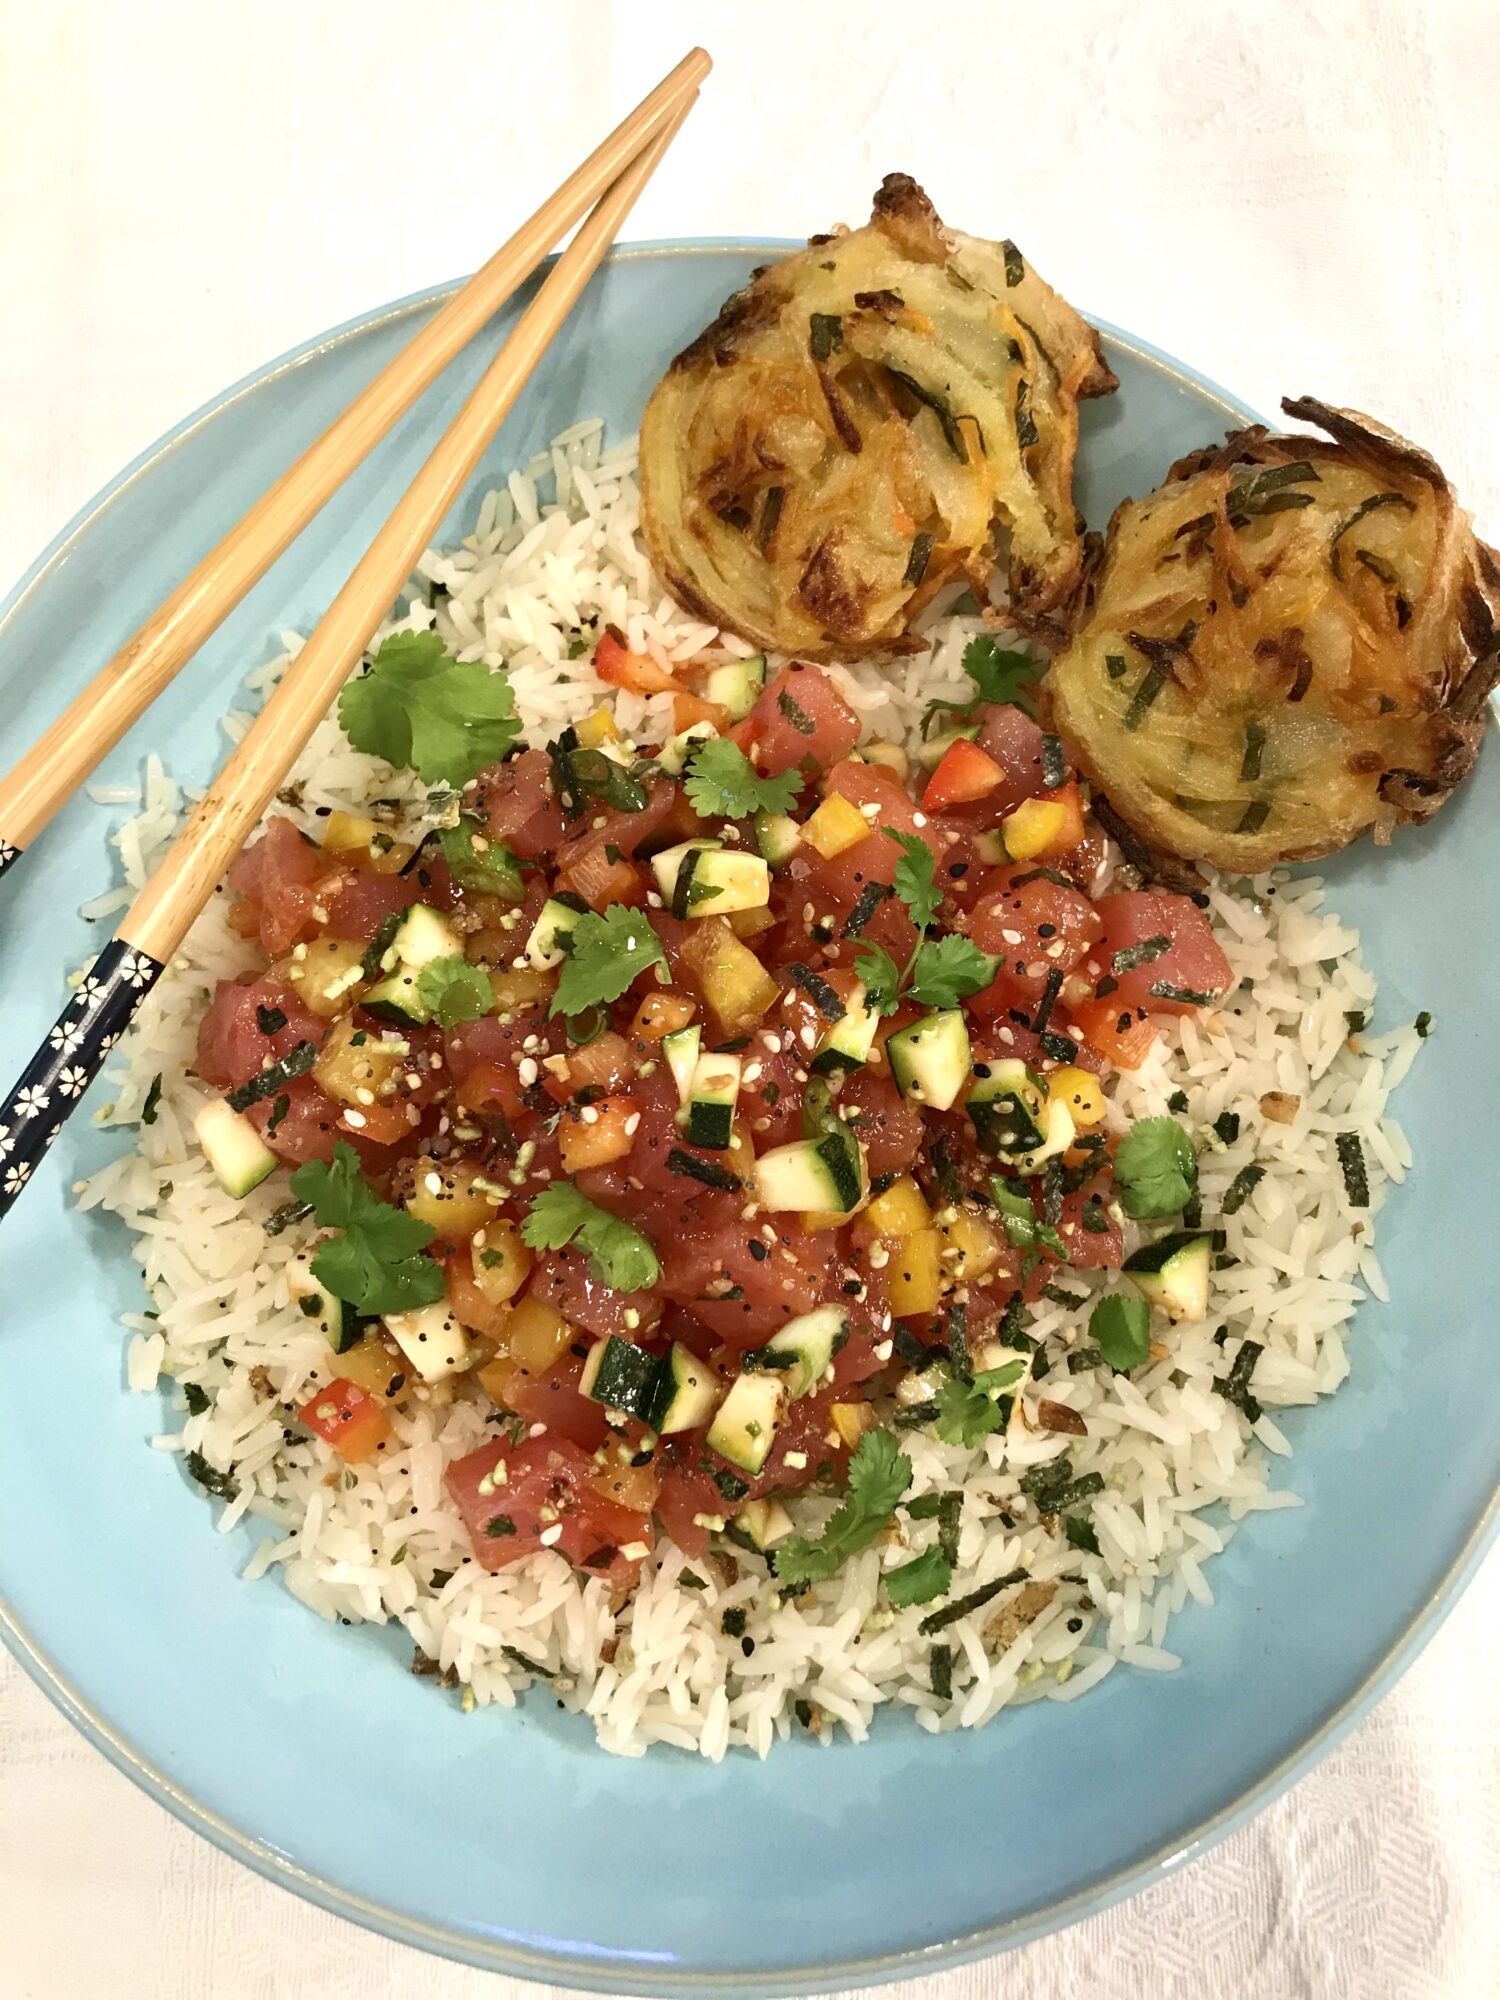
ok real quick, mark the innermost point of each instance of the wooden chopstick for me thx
(162, 914)
(57, 764)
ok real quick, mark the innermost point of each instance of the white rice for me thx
(558, 545)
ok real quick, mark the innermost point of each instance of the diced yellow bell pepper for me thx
(515, 989)
(600, 727)
(836, 825)
(494, 1378)
(971, 1248)
(1033, 826)
(816, 1220)
(914, 1275)
(374, 1367)
(443, 1194)
(327, 976)
(851, 1421)
(900, 1211)
(502, 1262)
(750, 923)
(734, 982)
(358, 1073)
(1080, 1090)
(343, 832)
(535, 1335)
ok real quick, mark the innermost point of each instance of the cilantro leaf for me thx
(1023, 1226)
(376, 1263)
(998, 674)
(619, 1255)
(879, 1473)
(417, 706)
(949, 969)
(722, 783)
(1155, 1168)
(881, 976)
(452, 990)
(967, 1412)
(606, 954)
(1120, 1328)
(920, 1581)
(916, 873)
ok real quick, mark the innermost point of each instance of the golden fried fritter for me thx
(1289, 642)
(887, 409)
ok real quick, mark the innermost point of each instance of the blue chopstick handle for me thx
(68, 1061)
(8, 855)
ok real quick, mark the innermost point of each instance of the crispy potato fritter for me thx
(893, 407)
(1288, 643)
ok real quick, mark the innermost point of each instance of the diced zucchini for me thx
(711, 1100)
(804, 1347)
(931, 753)
(674, 753)
(764, 1522)
(737, 686)
(930, 1059)
(778, 837)
(1015, 1117)
(396, 998)
(681, 1051)
(478, 861)
(238, 1155)
(1007, 1108)
(990, 847)
(624, 1377)
(821, 1174)
(692, 1390)
(1174, 1274)
(702, 879)
(431, 1339)
(848, 1043)
(556, 921)
(335, 1319)
(745, 1426)
(422, 935)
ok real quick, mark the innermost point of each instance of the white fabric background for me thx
(1292, 197)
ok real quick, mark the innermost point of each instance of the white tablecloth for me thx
(1294, 198)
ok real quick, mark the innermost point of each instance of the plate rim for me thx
(609, 1975)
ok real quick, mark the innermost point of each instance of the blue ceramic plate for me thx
(509, 1840)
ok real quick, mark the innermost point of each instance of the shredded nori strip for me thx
(1423, 1024)
(498, 1525)
(1352, 1162)
(821, 994)
(1094, 1220)
(223, 1485)
(280, 1106)
(1227, 1125)
(770, 515)
(1355, 1021)
(1083, 1359)
(1131, 955)
(197, 1399)
(1255, 743)
(708, 1171)
(1240, 1189)
(866, 904)
(370, 965)
(1026, 430)
(1114, 666)
(949, 1516)
(732, 1624)
(958, 1341)
(938, 1621)
(730, 1484)
(945, 1172)
(917, 561)
(690, 1580)
(940, 1672)
(534, 1666)
(270, 1020)
(296, 1062)
(1054, 769)
(914, 1416)
(1235, 1386)
(1048, 1000)
(1189, 996)
(799, 718)
(1150, 685)
(1057, 1047)
(1366, 506)
(825, 335)
(288, 1213)
(1254, 817)
(1052, 1193)
(1015, 264)
(908, 1348)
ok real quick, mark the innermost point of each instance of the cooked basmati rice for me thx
(556, 547)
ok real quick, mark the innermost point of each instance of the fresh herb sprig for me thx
(418, 707)
(879, 1473)
(619, 1255)
(375, 1262)
(999, 675)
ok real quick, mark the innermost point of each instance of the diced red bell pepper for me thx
(965, 773)
(637, 671)
(344, 1416)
